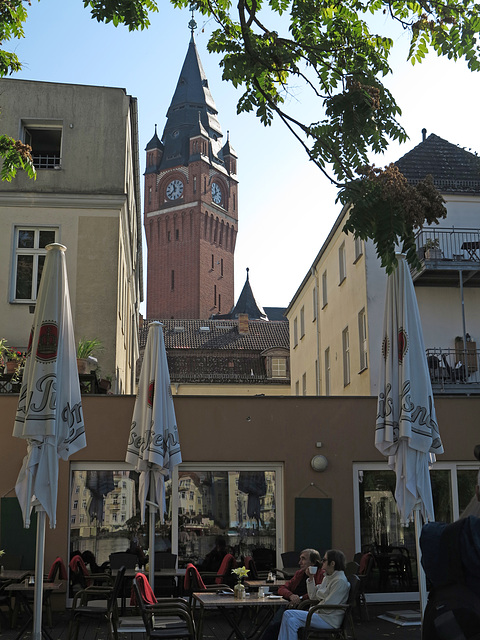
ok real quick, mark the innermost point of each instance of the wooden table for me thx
(233, 611)
(256, 584)
(23, 591)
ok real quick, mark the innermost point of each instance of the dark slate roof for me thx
(454, 170)
(154, 142)
(192, 99)
(246, 303)
(276, 313)
(228, 150)
(222, 335)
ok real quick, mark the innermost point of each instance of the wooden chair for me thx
(82, 609)
(310, 633)
(169, 618)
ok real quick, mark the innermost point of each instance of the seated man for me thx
(333, 590)
(295, 589)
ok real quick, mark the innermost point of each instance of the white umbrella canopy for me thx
(406, 425)
(153, 445)
(49, 413)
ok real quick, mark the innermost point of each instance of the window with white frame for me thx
(346, 356)
(324, 289)
(327, 372)
(29, 257)
(295, 332)
(45, 138)
(314, 302)
(358, 248)
(362, 339)
(279, 367)
(342, 263)
(297, 388)
(302, 322)
(304, 384)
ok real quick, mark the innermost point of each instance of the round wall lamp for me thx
(319, 463)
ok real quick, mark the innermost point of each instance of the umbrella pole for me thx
(151, 548)
(39, 564)
(422, 581)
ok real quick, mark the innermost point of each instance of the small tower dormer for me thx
(229, 156)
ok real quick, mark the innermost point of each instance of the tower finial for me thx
(155, 129)
(192, 24)
(247, 272)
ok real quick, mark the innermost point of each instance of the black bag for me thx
(453, 608)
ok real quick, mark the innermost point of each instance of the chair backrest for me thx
(165, 560)
(290, 558)
(123, 558)
(354, 581)
(193, 581)
(264, 558)
(225, 572)
(117, 587)
(351, 568)
(146, 617)
(249, 564)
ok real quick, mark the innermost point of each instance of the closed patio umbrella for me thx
(153, 445)
(49, 413)
(406, 425)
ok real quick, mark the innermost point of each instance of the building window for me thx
(302, 322)
(221, 267)
(75, 504)
(219, 302)
(194, 184)
(304, 384)
(177, 234)
(358, 248)
(314, 302)
(214, 295)
(346, 357)
(213, 262)
(327, 372)
(172, 280)
(29, 258)
(150, 195)
(342, 263)
(317, 379)
(295, 332)
(169, 236)
(46, 142)
(362, 339)
(279, 367)
(324, 289)
(297, 388)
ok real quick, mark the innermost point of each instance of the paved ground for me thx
(215, 628)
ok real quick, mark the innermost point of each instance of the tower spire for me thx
(192, 24)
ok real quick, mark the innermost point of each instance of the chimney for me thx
(242, 323)
(424, 134)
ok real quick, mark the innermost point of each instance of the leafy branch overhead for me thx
(286, 55)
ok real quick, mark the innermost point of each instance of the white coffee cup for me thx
(313, 570)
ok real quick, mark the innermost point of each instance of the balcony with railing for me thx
(455, 370)
(444, 252)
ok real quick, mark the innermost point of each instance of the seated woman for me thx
(333, 589)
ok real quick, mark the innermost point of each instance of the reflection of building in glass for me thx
(101, 498)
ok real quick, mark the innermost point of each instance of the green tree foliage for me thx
(328, 50)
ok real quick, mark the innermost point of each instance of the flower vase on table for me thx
(239, 588)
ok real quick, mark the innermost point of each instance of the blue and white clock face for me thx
(174, 189)
(216, 193)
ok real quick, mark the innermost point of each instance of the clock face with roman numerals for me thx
(174, 189)
(216, 193)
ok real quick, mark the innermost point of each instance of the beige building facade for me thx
(336, 315)
(87, 197)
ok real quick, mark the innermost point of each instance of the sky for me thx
(286, 206)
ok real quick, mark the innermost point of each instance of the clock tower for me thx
(191, 205)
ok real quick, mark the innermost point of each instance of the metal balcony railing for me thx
(454, 369)
(454, 244)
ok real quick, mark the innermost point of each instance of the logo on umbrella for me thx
(402, 344)
(151, 393)
(47, 342)
(385, 347)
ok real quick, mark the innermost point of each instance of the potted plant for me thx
(11, 359)
(104, 383)
(85, 350)
(432, 249)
